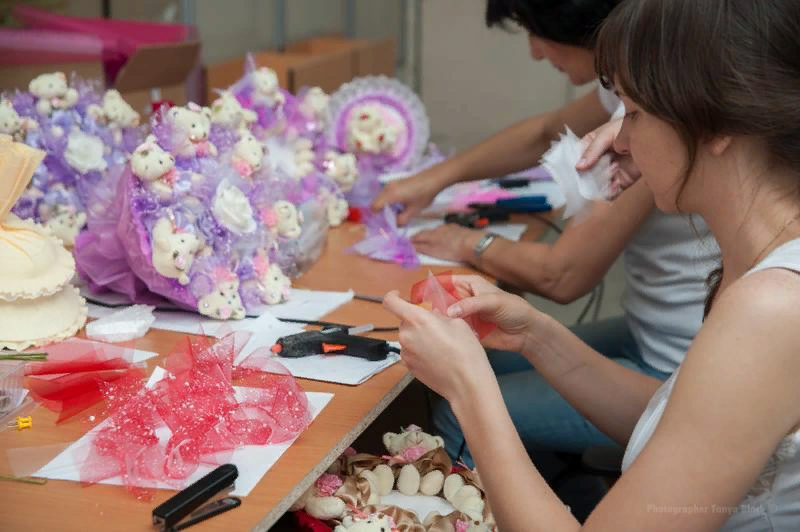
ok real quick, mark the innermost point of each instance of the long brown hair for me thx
(710, 67)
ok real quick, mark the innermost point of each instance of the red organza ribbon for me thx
(71, 379)
(194, 416)
(440, 292)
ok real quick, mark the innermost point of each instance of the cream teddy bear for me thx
(284, 220)
(303, 157)
(369, 132)
(273, 284)
(224, 301)
(64, 222)
(248, 154)
(342, 168)
(329, 497)
(52, 92)
(371, 523)
(227, 111)
(173, 250)
(14, 125)
(336, 209)
(409, 446)
(265, 85)
(155, 167)
(115, 112)
(315, 105)
(193, 124)
(465, 498)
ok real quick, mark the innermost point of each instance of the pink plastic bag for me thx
(440, 292)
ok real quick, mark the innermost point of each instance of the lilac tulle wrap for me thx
(385, 242)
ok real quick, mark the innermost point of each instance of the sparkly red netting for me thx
(440, 291)
(193, 416)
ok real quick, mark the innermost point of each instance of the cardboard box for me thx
(325, 62)
(158, 66)
(367, 57)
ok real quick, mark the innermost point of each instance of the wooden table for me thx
(61, 505)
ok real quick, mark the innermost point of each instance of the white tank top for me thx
(666, 266)
(773, 503)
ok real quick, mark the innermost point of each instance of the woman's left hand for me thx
(442, 352)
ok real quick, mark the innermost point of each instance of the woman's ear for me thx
(719, 144)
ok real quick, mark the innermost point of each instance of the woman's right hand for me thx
(413, 193)
(600, 142)
(516, 320)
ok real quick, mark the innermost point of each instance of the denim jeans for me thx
(545, 421)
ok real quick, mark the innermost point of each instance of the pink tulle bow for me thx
(171, 177)
(243, 168)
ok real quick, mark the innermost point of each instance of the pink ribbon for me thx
(242, 168)
(171, 177)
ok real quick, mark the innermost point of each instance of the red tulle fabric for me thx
(440, 292)
(194, 416)
(71, 379)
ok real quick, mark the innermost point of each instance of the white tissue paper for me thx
(579, 188)
(126, 324)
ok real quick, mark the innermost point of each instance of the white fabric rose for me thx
(232, 210)
(85, 152)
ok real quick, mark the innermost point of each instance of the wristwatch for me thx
(483, 244)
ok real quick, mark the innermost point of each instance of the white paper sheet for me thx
(509, 231)
(338, 369)
(422, 505)
(308, 304)
(253, 461)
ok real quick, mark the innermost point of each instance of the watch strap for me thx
(483, 244)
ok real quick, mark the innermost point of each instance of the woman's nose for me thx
(622, 141)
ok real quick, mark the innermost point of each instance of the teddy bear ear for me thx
(61, 76)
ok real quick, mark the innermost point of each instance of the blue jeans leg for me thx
(545, 420)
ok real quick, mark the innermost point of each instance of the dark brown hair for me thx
(710, 67)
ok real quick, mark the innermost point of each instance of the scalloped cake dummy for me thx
(37, 304)
(381, 118)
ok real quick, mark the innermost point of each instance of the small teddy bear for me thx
(342, 168)
(174, 250)
(224, 301)
(52, 92)
(371, 523)
(464, 497)
(193, 123)
(283, 219)
(266, 87)
(273, 284)
(315, 105)
(14, 125)
(227, 111)
(248, 154)
(331, 495)
(303, 157)
(336, 209)
(115, 112)
(155, 167)
(64, 222)
(408, 447)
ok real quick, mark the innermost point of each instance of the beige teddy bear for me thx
(266, 87)
(315, 105)
(331, 495)
(173, 250)
(114, 112)
(408, 447)
(369, 132)
(303, 157)
(52, 92)
(14, 125)
(64, 222)
(248, 155)
(155, 167)
(193, 125)
(227, 111)
(342, 168)
(287, 221)
(224, 301)
(371, 523)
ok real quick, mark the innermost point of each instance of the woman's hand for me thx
(448, 242)
(414, 193)
(516, 320)
(600, 142)
(442, 352)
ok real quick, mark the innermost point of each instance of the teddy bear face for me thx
(399, 443)
(248, 154)
(275, 285)
(227, 111)
(65, 224)
(265, 82)
(118, 112)
(315, 104)
(173, 250)
(149, 162)
(10, 121)
(224, 302)
(194, 123)
(372, 523)
(287, 219)
(337, 210)
(342, 168)
(49, 85)
(369, 132)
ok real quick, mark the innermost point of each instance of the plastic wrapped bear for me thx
(227, 111)
(174, 250)
(155, 167)
(248, 155)
(115, 113)
(266, 87)
(14, 125)
(193, 125)
(52, 92)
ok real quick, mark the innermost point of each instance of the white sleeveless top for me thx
(773, 503)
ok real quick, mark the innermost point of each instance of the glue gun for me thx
(335, 341)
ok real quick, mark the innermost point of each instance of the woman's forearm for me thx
(611, 396)
(520, 498)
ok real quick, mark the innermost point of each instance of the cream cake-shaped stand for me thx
(38, 304)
